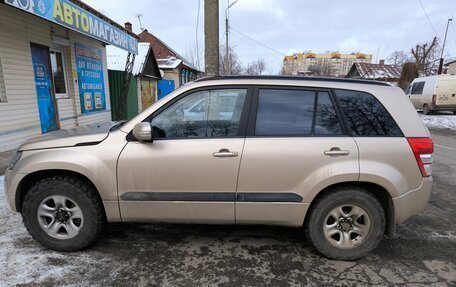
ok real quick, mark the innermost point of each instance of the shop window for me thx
(2, 85)
(59, 75)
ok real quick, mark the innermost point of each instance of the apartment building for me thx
(332, 64)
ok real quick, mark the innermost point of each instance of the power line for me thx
(429, 20)
(269, 53)
(259, 43)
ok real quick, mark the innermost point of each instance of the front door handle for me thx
(335, 151)
(225, 153)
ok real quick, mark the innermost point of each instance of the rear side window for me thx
(296, 113)
(285, 112)
(366, 115)
(417, 88)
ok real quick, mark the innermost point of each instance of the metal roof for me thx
(117, 58)
(377, 71)
(168, 63)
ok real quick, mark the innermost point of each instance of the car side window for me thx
(417, 88)
(284, 112)
(366, 115)
(210, 113)
(326, 119)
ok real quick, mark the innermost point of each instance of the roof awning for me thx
(75, 15)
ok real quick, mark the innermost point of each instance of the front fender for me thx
(98, 163)
(100, 173)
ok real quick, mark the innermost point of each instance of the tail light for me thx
(433, 98)
(422, 149)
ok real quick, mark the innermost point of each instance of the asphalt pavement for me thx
(422, 253)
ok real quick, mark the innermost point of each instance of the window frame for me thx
(62, 51)
(241, 132)
(247, 121)
(254, 110)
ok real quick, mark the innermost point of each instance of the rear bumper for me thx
(412, 202)
(437, 107)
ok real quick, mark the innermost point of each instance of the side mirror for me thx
(143, 132)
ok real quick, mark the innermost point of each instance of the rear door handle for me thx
(225, 153)
(335, 151)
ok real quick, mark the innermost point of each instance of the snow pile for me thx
(447, 122)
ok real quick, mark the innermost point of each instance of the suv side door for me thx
(189, 172)
(296, 144)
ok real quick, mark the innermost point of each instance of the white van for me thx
(434, 93)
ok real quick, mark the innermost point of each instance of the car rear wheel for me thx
(63, 213)
(426, 110)
(346, 223)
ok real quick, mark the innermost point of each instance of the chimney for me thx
(381, 62)
(128, 26)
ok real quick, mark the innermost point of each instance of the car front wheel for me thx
(63, 213)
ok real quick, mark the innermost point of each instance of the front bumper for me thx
(11, 184)
(412, 202)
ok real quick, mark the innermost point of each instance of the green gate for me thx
(116, 79)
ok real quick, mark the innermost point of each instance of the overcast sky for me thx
(289, 26)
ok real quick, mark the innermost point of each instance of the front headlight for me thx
(14, 159)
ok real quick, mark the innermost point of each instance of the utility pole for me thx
(227, 46)
(443, 48)
(211, 37)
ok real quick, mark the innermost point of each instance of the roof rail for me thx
(298, 78)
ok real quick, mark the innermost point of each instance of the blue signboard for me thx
(43, 83)
(89, 66)
(67, 14)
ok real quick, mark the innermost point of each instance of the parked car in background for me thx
(345, 159)
(434, 93)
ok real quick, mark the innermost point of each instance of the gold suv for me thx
(345, 159)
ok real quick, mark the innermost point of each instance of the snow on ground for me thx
(440, 121)
(20, 261)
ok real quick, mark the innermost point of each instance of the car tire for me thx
(63, 213)
(346, 223)
(426, 110)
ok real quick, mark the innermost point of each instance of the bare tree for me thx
(235, 65)
(426, 57)
(194, 56)
(262, 66)
(398, 58)
(251, 69)
(257, 67)
(323, 69)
